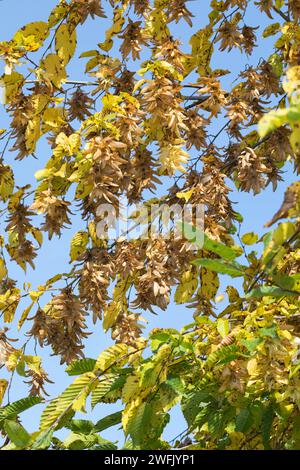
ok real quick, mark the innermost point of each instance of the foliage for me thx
(234, 370)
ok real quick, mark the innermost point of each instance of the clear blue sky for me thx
(54, 256)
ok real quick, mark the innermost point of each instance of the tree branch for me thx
(283, 15)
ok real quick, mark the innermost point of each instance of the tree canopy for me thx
(154, 122)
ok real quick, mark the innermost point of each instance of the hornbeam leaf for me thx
(269, 291)
(108, 421)
(81, 366)
(13, 409)
(65, 42)
(17, 433)
(43, 441)
(222, 267)
(73, 397)
(224, 251)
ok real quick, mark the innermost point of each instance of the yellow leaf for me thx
(8, 304)
(202, 50)
(249, 238)
(33, 133)
(3, 270)
(116, 27)
(209, 283)
(66, 145)
(3, 388)
(112, 355)
(223, 327)
(57, 14)
(65, 42)
(6, 182)
(34, 295)
(25, 315)
(32, 36)
(33, 363)
(40, 102)
(13, 359)
(187, 287)
(12, 84)
(186, 195)
(270, 30)
(78, 244)
(37, 234)
(53, 118)
(252, 367)
(111, 314)
(54, 70)
(42, 174)
(131, 388)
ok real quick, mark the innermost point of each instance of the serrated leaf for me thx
(73, 397)
(13, 409)
(269, 291)
(221, 267)
(16, 433)
(54, 69)
(81, 366)
(65, 42)
(78, 244)
(224, 251)
(108, 421)
(113, 354)
(32, 36)
(108, 389)
(136, 419)
(43, 441)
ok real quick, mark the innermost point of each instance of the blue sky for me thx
(54, 256)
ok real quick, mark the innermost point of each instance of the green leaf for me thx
(108, 421)
(138, 422)
(251, 344)
(76, 441)
(215, 423)
(287, 282)
(193, 403)
(108, 390)
(267, 420)
(103, 444)
(74, 397)
(17, 407)
(243, 421)
(269, 332)
(222, 267)
(224, 251)
(223, 355)
(269, 291)
(81, 366)
(81, 426)
(16, 433)
(43, 441)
